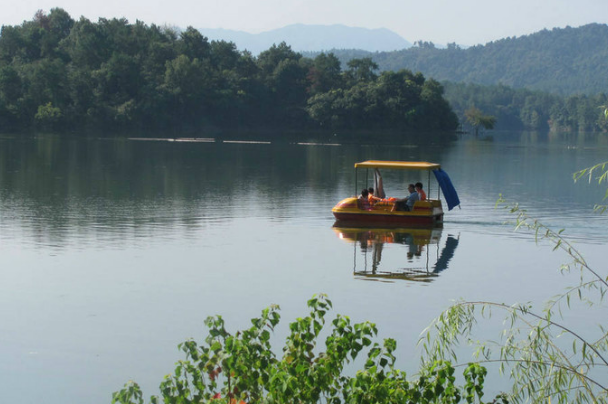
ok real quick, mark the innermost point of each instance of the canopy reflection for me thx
(385, 254)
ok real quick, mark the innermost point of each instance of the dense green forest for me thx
(521, 109)
(62, 74)
(562, 60)
(550, 80)
(59, 73)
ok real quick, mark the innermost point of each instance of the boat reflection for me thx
(415, 254)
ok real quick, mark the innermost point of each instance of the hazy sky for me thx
(466, 22)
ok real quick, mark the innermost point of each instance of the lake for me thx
(113, 251)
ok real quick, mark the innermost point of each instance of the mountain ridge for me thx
(308, 38)
(561, 60)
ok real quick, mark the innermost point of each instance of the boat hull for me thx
(424, 213)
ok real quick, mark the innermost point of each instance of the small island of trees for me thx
(60, 74)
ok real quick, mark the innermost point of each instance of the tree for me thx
(243, 368)
(85, 45)
(45, 81)
(193, 44)
(187, 84)
(543, 368)
(324, 74)
(224, 55)
(114, 74)
(477, 119)
(57, 25)
(284, 81)
(11, 97)
(325, 109)
(47, 115)
(10, 84)
(270, 59)
(425, 45)
(439, 114)
(361, 70)
(11, 43)
(397, 96)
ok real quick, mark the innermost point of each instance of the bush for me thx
(242, 368)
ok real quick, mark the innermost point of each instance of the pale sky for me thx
(466, 22)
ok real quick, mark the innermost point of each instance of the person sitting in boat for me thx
(372, 198)
(407, 203)
(421, 193)
(363, 201)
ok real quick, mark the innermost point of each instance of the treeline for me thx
(550, 80)
(521, 109)
(562, 60)
(61, 74)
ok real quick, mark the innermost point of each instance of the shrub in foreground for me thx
(242, 368)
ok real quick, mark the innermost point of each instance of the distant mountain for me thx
(562, 60)
(303, 38)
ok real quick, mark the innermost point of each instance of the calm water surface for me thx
(114, 251)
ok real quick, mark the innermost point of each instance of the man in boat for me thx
(421, 193)
(407, 203)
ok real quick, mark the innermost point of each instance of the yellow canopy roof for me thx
(398, 165)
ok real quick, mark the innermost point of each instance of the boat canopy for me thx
(399, 165)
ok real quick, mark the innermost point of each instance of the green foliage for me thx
(598, 172)
(549, 357)
(325, 74)
(361, 70)
(566, 61)
(242, 368)
(526, 109)
(121, 76)
(48, 115)
(551, 80)
(478, 119)
(398, 100)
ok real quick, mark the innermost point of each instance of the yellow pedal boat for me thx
(424, 213)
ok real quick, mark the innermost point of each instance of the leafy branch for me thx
(598, 172)
(546, 359)
(242, 368)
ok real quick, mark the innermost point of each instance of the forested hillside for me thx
(59, 73)
(62, 74)
(522, 109)
(563, 61)
(550, 80)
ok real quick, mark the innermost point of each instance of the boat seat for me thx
(423, 205)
